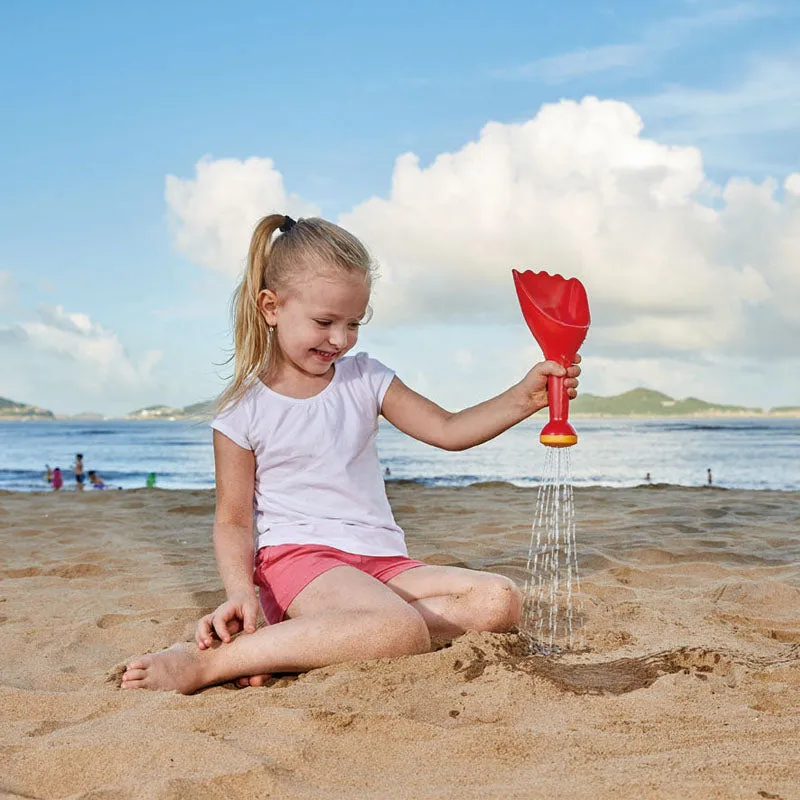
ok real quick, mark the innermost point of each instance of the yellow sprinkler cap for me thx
(558, 439)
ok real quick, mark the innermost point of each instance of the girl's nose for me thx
(337, 337)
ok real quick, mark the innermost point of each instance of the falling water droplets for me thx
(553, 609)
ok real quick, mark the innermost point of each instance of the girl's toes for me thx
(133, 675)
(259, 680)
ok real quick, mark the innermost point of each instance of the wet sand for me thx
(687, 684)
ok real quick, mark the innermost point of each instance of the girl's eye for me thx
(355, 325)
(323, 322)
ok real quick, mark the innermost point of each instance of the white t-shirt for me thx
(318, 478)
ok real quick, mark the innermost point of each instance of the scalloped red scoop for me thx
(557, 312)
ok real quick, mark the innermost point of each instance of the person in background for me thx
(48, 473)
(151, 480)
(96, 481)
(58, 479)
(710, 479)
(387, 472)
(79, 476)
(648, 478)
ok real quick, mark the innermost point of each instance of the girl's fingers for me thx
(221, 629)
(249, 620)
(202, 633)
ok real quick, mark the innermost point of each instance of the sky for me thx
(649, 149)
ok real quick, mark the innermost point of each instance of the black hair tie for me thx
(288, 224)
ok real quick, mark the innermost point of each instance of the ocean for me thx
(742, 453)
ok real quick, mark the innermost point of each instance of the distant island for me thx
(194, 411)
(635, 403)
(11, 410)
(648, 403)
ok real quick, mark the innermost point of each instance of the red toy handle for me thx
(558, 432)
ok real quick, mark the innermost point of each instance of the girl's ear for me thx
(267, 303)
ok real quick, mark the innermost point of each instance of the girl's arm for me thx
(233, 522)
(233, 544)
(424, 420)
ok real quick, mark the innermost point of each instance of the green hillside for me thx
(202, 409)
(194, 411)
(646, 402)
(11, 410)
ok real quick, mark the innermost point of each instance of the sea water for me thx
(759, 453)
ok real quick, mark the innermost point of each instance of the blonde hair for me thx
(275, 263)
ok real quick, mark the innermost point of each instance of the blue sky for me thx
(103, 309)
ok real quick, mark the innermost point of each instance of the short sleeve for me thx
(377, 375)
(235, 421)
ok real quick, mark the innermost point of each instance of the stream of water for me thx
(553, 608)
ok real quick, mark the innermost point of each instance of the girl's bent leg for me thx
(343, 615)
(452, 600)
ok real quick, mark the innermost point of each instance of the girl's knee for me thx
(500, 604)
(403, 633)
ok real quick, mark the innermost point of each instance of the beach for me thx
(686, 683)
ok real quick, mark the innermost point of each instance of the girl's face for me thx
(317, 321)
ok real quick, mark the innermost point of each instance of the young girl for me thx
(296, 431)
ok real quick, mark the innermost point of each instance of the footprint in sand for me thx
(112, 620)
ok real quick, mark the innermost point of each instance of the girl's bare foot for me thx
(178, 668)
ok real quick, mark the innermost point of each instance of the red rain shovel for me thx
(557, 312)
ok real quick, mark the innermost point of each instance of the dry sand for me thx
(688, 687)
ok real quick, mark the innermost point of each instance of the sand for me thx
(688, 684)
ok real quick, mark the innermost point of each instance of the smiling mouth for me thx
(323, 353)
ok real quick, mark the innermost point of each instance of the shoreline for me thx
(422, 483)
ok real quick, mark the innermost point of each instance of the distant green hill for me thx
(646, 402)
(203, 409)
(789, 411)
(194, 411)
(11, 410)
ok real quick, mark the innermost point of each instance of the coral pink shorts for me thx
(282, 571)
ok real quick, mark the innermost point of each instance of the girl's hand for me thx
(239, 613)
(534, 384)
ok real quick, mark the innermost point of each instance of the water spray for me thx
(556, 310)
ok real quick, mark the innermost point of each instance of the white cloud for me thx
(213, 215)
(99, 361)
(765, 100)
(678, 270)
(567, 66)
(656, 40)
(580, 191)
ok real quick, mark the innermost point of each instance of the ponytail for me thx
(252, 339)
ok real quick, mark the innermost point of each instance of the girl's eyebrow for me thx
(330, 315)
